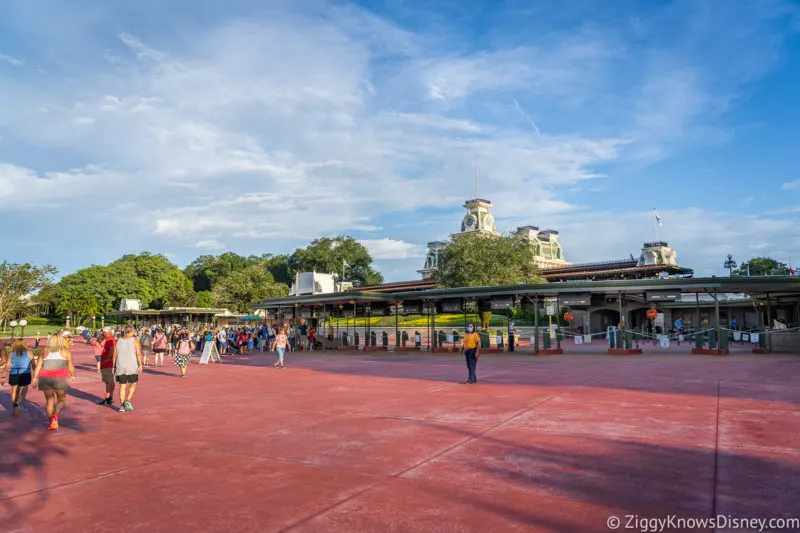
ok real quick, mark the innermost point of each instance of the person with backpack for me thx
(146, 342)
(183, 353)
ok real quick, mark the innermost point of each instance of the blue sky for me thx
(190, 127)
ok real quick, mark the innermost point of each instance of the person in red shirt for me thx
(107, 365)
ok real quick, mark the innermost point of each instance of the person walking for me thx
(108, 346)
(146, 342)
(280, 344)
(470, 347)
(127, 367)
(97, 345)
(53, 374)
(159, 345)
(183, 353)
(19, 365)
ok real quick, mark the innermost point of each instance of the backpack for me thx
(146, 341)
(185, 348)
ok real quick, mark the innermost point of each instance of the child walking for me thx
(280, 344)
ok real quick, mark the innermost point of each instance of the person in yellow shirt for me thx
(470, 347)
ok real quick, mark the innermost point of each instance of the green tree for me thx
(478, 260)
(242, 289)
(204, 299)
(279, 267)
(162, 284)
(17, 282)
(762, 266)
(207, 270)
(108, 284)
(330, 255)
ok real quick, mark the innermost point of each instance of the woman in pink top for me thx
(53, 374)
(280, 344)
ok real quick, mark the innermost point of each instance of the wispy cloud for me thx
(267, 131)
(790, 186)
(13, 61)
(393, 249)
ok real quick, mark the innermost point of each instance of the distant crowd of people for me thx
(122, 352)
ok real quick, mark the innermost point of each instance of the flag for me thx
(658, 219)
(791, 270)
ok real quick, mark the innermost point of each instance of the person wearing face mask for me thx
(470, 347)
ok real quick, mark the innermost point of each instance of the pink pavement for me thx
(343, 442)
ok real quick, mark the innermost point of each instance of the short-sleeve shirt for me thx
(303, 330)
(281, 341)
(471, 341)
(107, 357)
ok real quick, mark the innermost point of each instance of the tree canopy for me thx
(227, 280)
(478, 260)
(17, 281)
(762, 266)
(239, 291)
(332, 255)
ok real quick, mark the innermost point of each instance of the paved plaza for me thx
(381, 442)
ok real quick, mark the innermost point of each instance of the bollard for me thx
(345, 340)
(373, 337)
(385, 339)
(712, 339)
(628, 339)
(698, 340)
(356, 340)
(546, 339)
(456, 337)
(404, 338)
(724, 340)
(442, 339)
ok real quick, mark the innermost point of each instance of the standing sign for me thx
(754, 338)
(550, 310)
(498, 340)
(737, 336)
(578, 339)
(664, 341)
(209, 353)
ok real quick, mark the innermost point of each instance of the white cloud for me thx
(264, 132)
(790, 186)
(13, 61)
(392, 249)
(210, 245)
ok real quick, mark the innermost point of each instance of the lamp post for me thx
(94, 323)
(730, 264)
(13, 325)
(22, 324)
(103, 321)
(69, 318)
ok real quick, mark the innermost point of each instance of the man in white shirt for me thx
(222, 337)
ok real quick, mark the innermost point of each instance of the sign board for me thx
(663, 296)
(578, 340)
(498, 340)
(754, 338)
(680, 338)
(746, 337)
(551, 310)
(209, 353)
(450, 339)
(664, 341)
(414, 308)
(502, 303)
(737, 336)
(577, 300)
(451, 306)
(417, 339)
(305, 312)
(587, 339)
